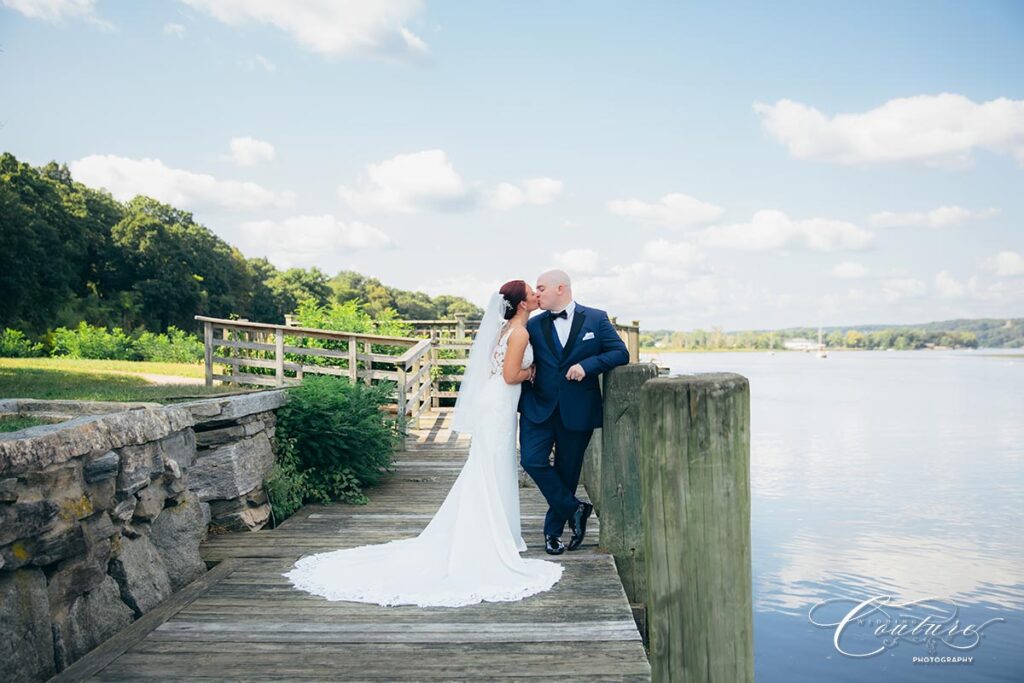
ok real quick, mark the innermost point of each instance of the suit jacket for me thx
(578, 402)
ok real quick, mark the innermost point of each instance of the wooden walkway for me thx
(243, 621)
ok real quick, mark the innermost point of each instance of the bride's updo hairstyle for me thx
(514, 292)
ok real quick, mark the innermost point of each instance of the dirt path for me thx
(158, 379)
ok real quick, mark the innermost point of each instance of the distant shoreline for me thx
(829, 349)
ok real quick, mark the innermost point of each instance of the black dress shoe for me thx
(579, 524)
(553, 545)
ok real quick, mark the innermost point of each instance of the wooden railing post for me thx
(400, 391)
(279, 356)
(353, 364)
(208, 352)
(435, 386)
(695, 474)
(368, 377)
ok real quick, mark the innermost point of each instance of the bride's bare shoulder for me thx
(518, 331)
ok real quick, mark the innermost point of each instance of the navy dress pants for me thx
(558, 483)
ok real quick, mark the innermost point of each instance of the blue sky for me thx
(748, 165)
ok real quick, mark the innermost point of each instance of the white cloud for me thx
(408, 183)
(902, 288)
(474, 289)
(333, 28)
(171, 29)
(947, 286)
(427, 181)
(635, 288)
(673, 209)
(259, 62)
(56, 11)
(937, 130)
(1007, 263)
(311, 240)
(578, 261)
(999, 291)
(663, 295)
(250, 151)
(681, 254)
(941, 217)
(849, 270)
(125, 178)
(532, 191)
(774, 230)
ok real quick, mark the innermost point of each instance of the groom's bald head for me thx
(554, 289)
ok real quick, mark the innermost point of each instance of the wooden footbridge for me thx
(243, 621)
(669, 475)
(424, 368)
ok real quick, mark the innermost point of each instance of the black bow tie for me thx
(563, 314)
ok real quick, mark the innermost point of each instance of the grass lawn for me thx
(93, 366)
(14, 424)
(99, 380)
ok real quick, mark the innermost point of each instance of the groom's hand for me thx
(576, 373)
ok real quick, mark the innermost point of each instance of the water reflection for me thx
(894, 473)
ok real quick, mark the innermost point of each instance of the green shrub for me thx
(177, 346)
(339, 438)
(285, 484)
(86, 341)
(14, 344)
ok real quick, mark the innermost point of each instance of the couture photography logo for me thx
(868, 627)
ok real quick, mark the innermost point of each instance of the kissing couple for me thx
(544, 367)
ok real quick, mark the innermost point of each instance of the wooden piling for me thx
(695, 473)
(621, 494)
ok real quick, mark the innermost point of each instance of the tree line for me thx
(70, 253)
(966, 333)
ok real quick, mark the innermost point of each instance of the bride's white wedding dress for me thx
(469, 552)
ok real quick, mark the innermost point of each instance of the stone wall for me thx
(101, 515)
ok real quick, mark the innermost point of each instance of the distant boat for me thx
(821, 345)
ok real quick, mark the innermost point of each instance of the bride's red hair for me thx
(514, 292)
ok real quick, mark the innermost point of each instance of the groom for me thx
(572, 345)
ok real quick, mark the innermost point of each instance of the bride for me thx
(469, 552)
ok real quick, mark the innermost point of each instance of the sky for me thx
(689, 164)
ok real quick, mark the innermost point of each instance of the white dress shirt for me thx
(563, 325)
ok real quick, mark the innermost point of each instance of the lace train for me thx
(468, 553)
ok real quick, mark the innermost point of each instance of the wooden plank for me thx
(242, 361)
(341, 354)
(451, 361)
(118, 644)
(248, 345)
(384, 661)
(254, 625)
(393, 631)
(305, 331)
(240, 377)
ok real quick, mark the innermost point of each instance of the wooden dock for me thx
(243, 621)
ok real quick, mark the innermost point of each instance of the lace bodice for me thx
(498, 354)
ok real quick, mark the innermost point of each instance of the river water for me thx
(893, 475)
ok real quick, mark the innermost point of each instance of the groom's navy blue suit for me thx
(564, 413)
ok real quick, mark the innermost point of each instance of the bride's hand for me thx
(533, 373)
